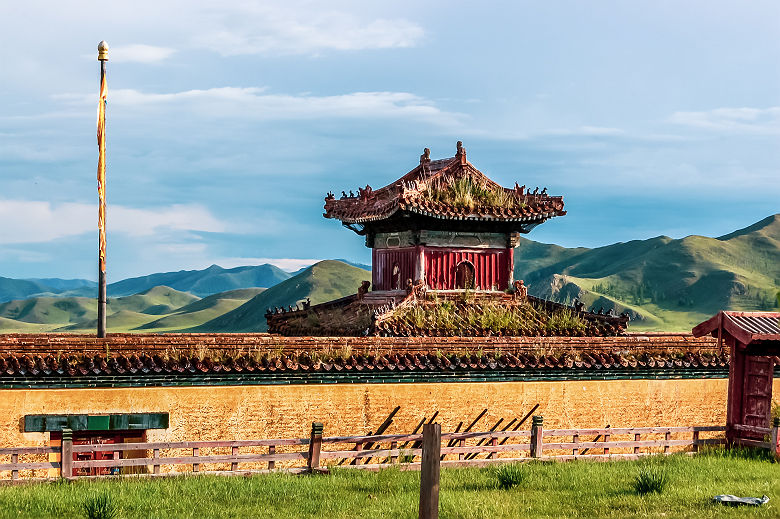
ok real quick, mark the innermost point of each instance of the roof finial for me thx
(426, 156)
(461, 152)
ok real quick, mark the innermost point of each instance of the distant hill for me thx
(321, 282)
(202, 311)
(204, 282)
(11, 289)
(157, 300)
(665, 284)
(80, 310)
(158, 309)
(49, 310)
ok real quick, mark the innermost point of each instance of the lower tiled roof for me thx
(394, 316)
(141, 365)
(312, 360)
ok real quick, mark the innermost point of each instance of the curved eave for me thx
(475, 217)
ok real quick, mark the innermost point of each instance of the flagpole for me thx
(101, 174)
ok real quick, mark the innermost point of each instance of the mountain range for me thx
(662, 283)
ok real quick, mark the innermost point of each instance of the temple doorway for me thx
(464, 275)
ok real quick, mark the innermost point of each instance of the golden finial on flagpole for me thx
(103, 51)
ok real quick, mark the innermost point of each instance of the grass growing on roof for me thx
(574, 489)
(464, 192)
(489, 316)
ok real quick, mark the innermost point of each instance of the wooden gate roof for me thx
(746, 327)
(412, 193)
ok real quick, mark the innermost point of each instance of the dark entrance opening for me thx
(464, 275)
(395, 280)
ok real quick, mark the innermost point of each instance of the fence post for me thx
(537, 428)
(429, 471)
(234, 453)
(575, 439)
(393, 446)
(695, 441)
(15, 472)
(156, 464)
(315, 445)
(271, 450)
(195, 454)
(667, 437)
(774, 437)
(66, 454)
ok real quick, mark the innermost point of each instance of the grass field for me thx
(573, 489)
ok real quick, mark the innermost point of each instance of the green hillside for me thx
(50, 310)
(204, 282)
(63, 310)
(321, 282)
(154, 301)
(123, 320)
(157, 309)
(665, 284)
(202, 311)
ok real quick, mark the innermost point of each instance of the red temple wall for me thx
(491, 267)
(382, 267)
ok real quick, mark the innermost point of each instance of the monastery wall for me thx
(277, 411)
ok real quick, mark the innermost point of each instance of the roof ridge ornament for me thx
(460, 152)
(425, 158)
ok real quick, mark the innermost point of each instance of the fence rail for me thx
(371, 451)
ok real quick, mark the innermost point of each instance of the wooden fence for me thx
(367, 452)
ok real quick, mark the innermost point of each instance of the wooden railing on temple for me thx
(373, 452)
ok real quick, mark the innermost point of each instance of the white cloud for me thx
(242, 28)
(139, 53)
(254, 103)
(40, 221)
(760, 121)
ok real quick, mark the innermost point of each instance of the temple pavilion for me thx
(442, 239)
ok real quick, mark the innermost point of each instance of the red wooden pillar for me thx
(419, 264)
(510, 268)
(736, 372)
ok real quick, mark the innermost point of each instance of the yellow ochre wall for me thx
(253, 412)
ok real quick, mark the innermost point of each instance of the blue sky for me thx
(227, 124)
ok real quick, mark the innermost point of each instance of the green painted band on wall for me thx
(360, 377)
(84, 422)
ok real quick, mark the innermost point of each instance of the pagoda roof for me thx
(424, 191)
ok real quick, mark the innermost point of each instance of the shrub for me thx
(510, 476)
(406, 456)
(100, 506)
(651, 478)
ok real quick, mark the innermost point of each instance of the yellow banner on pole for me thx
(101, 169)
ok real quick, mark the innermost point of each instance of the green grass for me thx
(493, 316)
(464, 192)
(572, 490)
